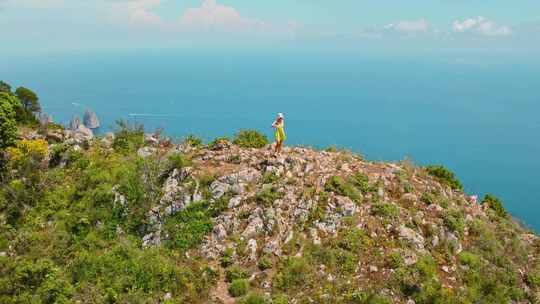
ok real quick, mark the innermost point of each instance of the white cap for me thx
(280, 115)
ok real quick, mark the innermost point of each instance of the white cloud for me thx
(213, 16)
(409, 26)
(481, 26)
(136, 12)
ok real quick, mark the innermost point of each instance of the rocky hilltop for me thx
(132, 217)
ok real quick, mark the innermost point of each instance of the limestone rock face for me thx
(108, 139)
(85, 131)
(78, 135)
(91, 120)
(347, 205)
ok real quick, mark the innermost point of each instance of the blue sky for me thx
(47, 25)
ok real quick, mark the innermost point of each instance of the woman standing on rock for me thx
(279, 134)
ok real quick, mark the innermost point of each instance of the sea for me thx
(476, 113)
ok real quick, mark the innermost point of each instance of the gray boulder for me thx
(145, 152)
(412, 237)
(348, 207)
(108, 139)
(219, 232)
(85, 131)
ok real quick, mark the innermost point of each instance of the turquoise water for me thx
(476, 114)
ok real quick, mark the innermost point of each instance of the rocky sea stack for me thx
(90, 119)
(134, 218)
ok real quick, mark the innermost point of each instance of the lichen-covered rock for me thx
(108, 139)
(151, 139)
(145, 152)
(252, 249)
(219, 232)
(152, 239)
(412, 237)
(347, 206)
(255, 224)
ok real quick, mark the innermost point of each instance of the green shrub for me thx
(387, 210)
(264, 263)
(250, 139)
(270, 178)
(266, 197)
(533, 279)
(346, 261)
(235, 272)
(367, 298)
(455, 222)
(226, 258)
(336, 259)
(395, 260)
(469, 259)
(193, 141)
(354, 240)
(238, 287)
(444, 176)
(339, 185)
(28, 154)
(252, 298)
(235, 159)
(213, 144)
(496, 205)
(427, 198)
(178, 161)
(293, 273)
(280, 299)
(332, 149)
(57, 153)
(55, 289)
(361, 181)
(8, 124)
(188, 227)
(128, 136)
(426, 266)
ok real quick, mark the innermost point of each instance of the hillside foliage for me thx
(98, 221)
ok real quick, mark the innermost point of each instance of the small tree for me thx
(445, 176)
(29, 99)
(4, 87)
(129, 137)
(495, 204)
(250, 139)
(8, 124)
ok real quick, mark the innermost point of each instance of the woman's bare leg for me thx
(278, 147)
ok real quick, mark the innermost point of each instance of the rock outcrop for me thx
(74, 123)
(90, 119)
(330, 218)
